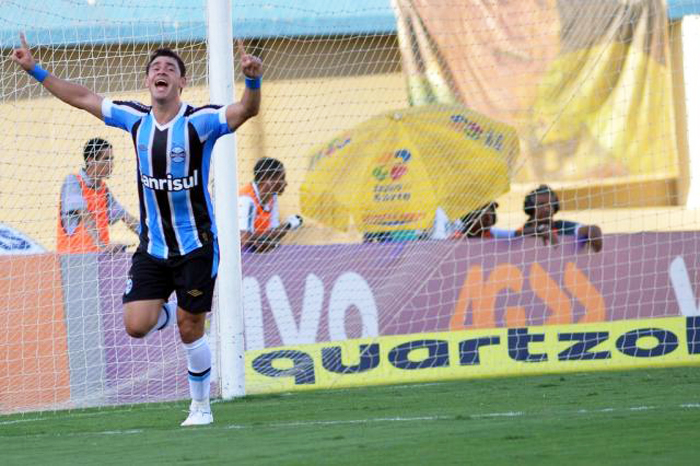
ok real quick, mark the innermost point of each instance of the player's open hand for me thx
(250, 65)
(22, 55)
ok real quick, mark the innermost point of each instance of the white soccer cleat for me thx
(199, 416)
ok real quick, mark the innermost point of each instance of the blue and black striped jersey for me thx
(173, 163)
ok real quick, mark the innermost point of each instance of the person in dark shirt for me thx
(540, 205)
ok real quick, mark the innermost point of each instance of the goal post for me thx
(230, 307)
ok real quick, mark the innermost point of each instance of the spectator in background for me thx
(480, 223)
(541, 205)
(87, 207)
(476, 224)
(258, 208)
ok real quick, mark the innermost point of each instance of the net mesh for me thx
(411, 134)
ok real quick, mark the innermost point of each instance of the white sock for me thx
(199, 370)
(166, 318)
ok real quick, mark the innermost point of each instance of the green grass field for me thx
(636, 417)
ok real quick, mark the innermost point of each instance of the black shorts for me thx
(191, 276)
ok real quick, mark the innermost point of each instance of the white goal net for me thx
(416, 137)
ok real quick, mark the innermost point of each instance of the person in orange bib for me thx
(258, 208)
(88, 208)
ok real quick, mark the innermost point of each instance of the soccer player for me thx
(88, 207)
(258, 208)
(178, 248)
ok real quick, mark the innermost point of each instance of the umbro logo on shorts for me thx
(195, 293)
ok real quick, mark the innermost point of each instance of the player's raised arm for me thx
(249, 105)
(73, 94)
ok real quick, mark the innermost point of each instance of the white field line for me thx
(41, 419)
(343, 421)
(74, 415)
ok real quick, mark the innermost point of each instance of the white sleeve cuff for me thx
(106, 108)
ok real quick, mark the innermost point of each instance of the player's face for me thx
(164, 80)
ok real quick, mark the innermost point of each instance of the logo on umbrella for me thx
(473, 130)
(394, 165)
(332, 147)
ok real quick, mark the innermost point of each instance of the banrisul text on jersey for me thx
(169, 183)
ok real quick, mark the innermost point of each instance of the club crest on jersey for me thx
(169, 183)
(177, 154)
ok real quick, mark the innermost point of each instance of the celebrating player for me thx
(178, 248)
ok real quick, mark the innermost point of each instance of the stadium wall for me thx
(67, 346)
(34, 366)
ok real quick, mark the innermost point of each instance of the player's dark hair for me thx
(166, 52)
(267, 167)
(93, 147)
(531, 200)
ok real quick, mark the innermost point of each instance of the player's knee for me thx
(136, 326)
(191, 333)
(135, 332)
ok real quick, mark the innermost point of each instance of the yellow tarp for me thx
(586, 83)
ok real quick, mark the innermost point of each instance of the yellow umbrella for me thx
(393, 171)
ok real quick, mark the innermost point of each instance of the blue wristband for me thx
(38, 73)
(253, 83)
